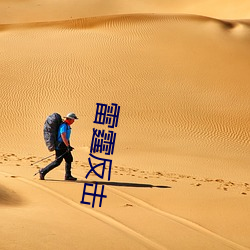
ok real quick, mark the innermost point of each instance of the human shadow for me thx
(125, 184)
(117, 184)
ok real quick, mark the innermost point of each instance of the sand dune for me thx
(194, 111)
(37, 11)
(180, 178)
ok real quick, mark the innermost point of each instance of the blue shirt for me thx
(64, 128)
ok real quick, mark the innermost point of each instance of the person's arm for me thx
(66, 142)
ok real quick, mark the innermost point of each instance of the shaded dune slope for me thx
(9, 197)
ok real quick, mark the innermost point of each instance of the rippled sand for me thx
(180, 176)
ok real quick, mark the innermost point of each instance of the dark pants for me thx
(67, 156)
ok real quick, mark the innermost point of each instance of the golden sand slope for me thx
(181, 82)
(180, 179)
(136, 214)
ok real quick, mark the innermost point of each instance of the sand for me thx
(180, 173)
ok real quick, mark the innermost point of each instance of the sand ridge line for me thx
(109, 21)
(97, 215)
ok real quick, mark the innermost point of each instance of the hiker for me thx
(63, 149)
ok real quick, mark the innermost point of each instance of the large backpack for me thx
(50, 130)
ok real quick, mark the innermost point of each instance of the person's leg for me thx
(52, 165)
(68, 161)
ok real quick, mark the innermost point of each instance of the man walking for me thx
(63, 150)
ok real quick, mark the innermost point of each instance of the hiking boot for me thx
(41, 175)
(70, 178)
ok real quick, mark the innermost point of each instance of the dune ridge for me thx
(109, 20)
(49, 10)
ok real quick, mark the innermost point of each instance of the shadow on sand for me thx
(118, 184)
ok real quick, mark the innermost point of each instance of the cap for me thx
(71, 116)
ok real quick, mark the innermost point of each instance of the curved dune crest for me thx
(118, 20)
(34, 11)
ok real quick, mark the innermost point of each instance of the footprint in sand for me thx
(128, 205)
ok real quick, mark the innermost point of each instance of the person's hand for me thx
(69, 148)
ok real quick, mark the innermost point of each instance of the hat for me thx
(71, 116)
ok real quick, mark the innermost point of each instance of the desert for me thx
(180, 176)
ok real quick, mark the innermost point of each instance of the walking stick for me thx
(41, 159)
(48, 157)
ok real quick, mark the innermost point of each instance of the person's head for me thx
(70, 118)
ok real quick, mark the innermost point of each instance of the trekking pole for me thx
(42, 159)
(48, 157)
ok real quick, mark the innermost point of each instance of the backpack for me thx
(50, 130)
